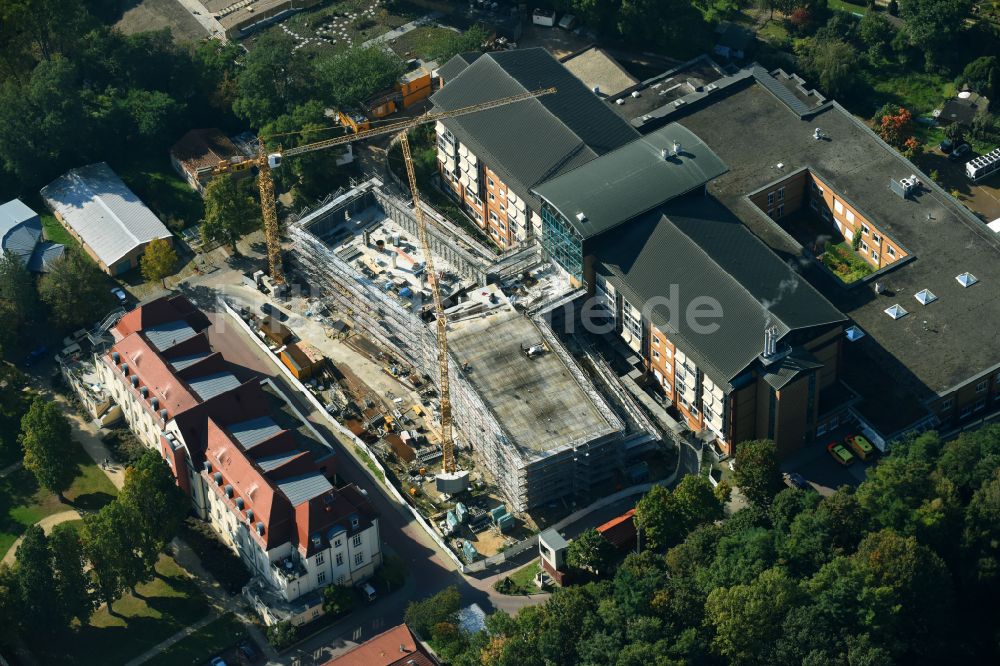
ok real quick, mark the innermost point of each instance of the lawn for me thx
(522, 580)
(164, 606)
(23, 503)
(162, 190)
(203, 644)
(56, 232)
(845, 263)
(842, 6)
(423, 42)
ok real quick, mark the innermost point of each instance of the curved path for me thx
(46, 523)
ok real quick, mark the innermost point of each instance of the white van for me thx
(545, 17)
(368, 591)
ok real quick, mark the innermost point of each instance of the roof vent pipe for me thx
(636, 93)
(597, 90)
(677, 148)
(664, 154)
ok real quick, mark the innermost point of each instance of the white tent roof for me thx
(107, 215)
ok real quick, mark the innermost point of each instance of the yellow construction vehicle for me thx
(266, 161)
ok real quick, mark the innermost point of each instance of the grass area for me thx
(850, 7)
(203, 644)
(56, 232)
(23, 503)
(920, 92)
(424, 42)
(164, 606)
(522, 580)
(336, 30)
(845, 263)
(162, 190)
(775, 33)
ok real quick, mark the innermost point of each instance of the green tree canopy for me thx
(590, 551)
(422, 616)
(48, 446)
(230, 211)
(158, 260)
(933, 26)
(273, 79)
(347, 78)
(75, 290)
(757, 473)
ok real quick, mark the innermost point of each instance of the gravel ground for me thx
(159, 14)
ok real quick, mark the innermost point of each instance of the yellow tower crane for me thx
(266, 161)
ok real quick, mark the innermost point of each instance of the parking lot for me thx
(824, 473)
(981, 198)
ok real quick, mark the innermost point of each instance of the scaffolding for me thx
(528, 469)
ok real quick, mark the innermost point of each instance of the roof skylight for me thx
(925, 296)
(854, 333)
(967, 279)
(896, 311)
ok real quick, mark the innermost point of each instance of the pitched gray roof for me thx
(107, 215)
(13, 213)
(301, 489)
(254, 431)
(269, 463)
(21, 234)
(166, 335)
(698, 245)
(457, 65)
(43, 256)
(529, 142)
(210, 386)
(635, 178)
(182, 362)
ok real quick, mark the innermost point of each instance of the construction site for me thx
(529, 423)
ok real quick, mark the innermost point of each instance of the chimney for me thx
(770, 341)
(664, 154)
(677, 148)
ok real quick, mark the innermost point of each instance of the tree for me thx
(955, 133)
(157, 507)
(422, 616)
(230, 212)
(933, 25)
(876, 34)
(697, 502)
(984, 126)
(75, 290)
(894, 124)
(748, 618)
(73, 585)
(349, 77)
(757, 473)
(832, 62)
(338, 599)
(461, 42)
(158, 260)
(274, 77)
(48, 447)
(656, 515)
(39, 611)
(282, 634)
(589, 551)
(983, 76)
(17, 287)
(108, 544)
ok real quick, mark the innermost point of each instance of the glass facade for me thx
(561, 241)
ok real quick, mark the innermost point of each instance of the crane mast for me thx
(265, 162)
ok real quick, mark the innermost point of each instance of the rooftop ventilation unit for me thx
(854, 334)
(135, 382)
(116, 357)
(229, 490)
(260, 529)
(239, 503)
(597, 90)
(664, 154)
(124, 368)
(896, 311)
(218, 478)
(904, 187)
(620, 101)
(680, 102)
(967, 279)
(925, 296)
(636, 94)
(677, 148)
(818, 133)
(780, 165)
(984, 165)
(249, 515)
(163, 414)
(316, 540)
(144, 391)
(581, 217)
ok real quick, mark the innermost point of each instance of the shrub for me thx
(282, 635)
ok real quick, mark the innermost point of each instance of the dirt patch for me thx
(158, 14)
(559, 42)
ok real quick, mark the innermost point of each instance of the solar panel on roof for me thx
(164, 336)
(301, 489)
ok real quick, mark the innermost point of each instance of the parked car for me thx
(861, 447)
(248, 650)
(960, 151)
(840, 453)
(217, 661)
(120, 295)
(946, 146)
(269, 309)
(568, 22)
(797, 480)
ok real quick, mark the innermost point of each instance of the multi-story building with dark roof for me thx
(266, 488)
(490, 161)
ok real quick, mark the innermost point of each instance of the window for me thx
(838, 207)
(890, 251)
(813, 204)
(965, 412)
(656, 343)
(980, 405)
(864, 246)
(946, 405)
(321, 578)
(781, 194)
(981, 387)
(815, 186)
(502, 226)
(781, 210)
(875, 255)
(864, 227)
(876, 238)
(490, 181)
(340, 559)
(319, 558)
(770, 213)
(770, 199)
(493, 217)
(670, 354)
(359, 558)
(502, 209)
(340, 580)
(656, 355)
(336, 543)
(850, 218)
(492, 198)
(357, 540)
(501, 193)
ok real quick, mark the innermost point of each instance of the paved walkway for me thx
(46, 523)
(205, 18)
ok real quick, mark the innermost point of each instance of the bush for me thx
(124, 445)
(282, 635)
